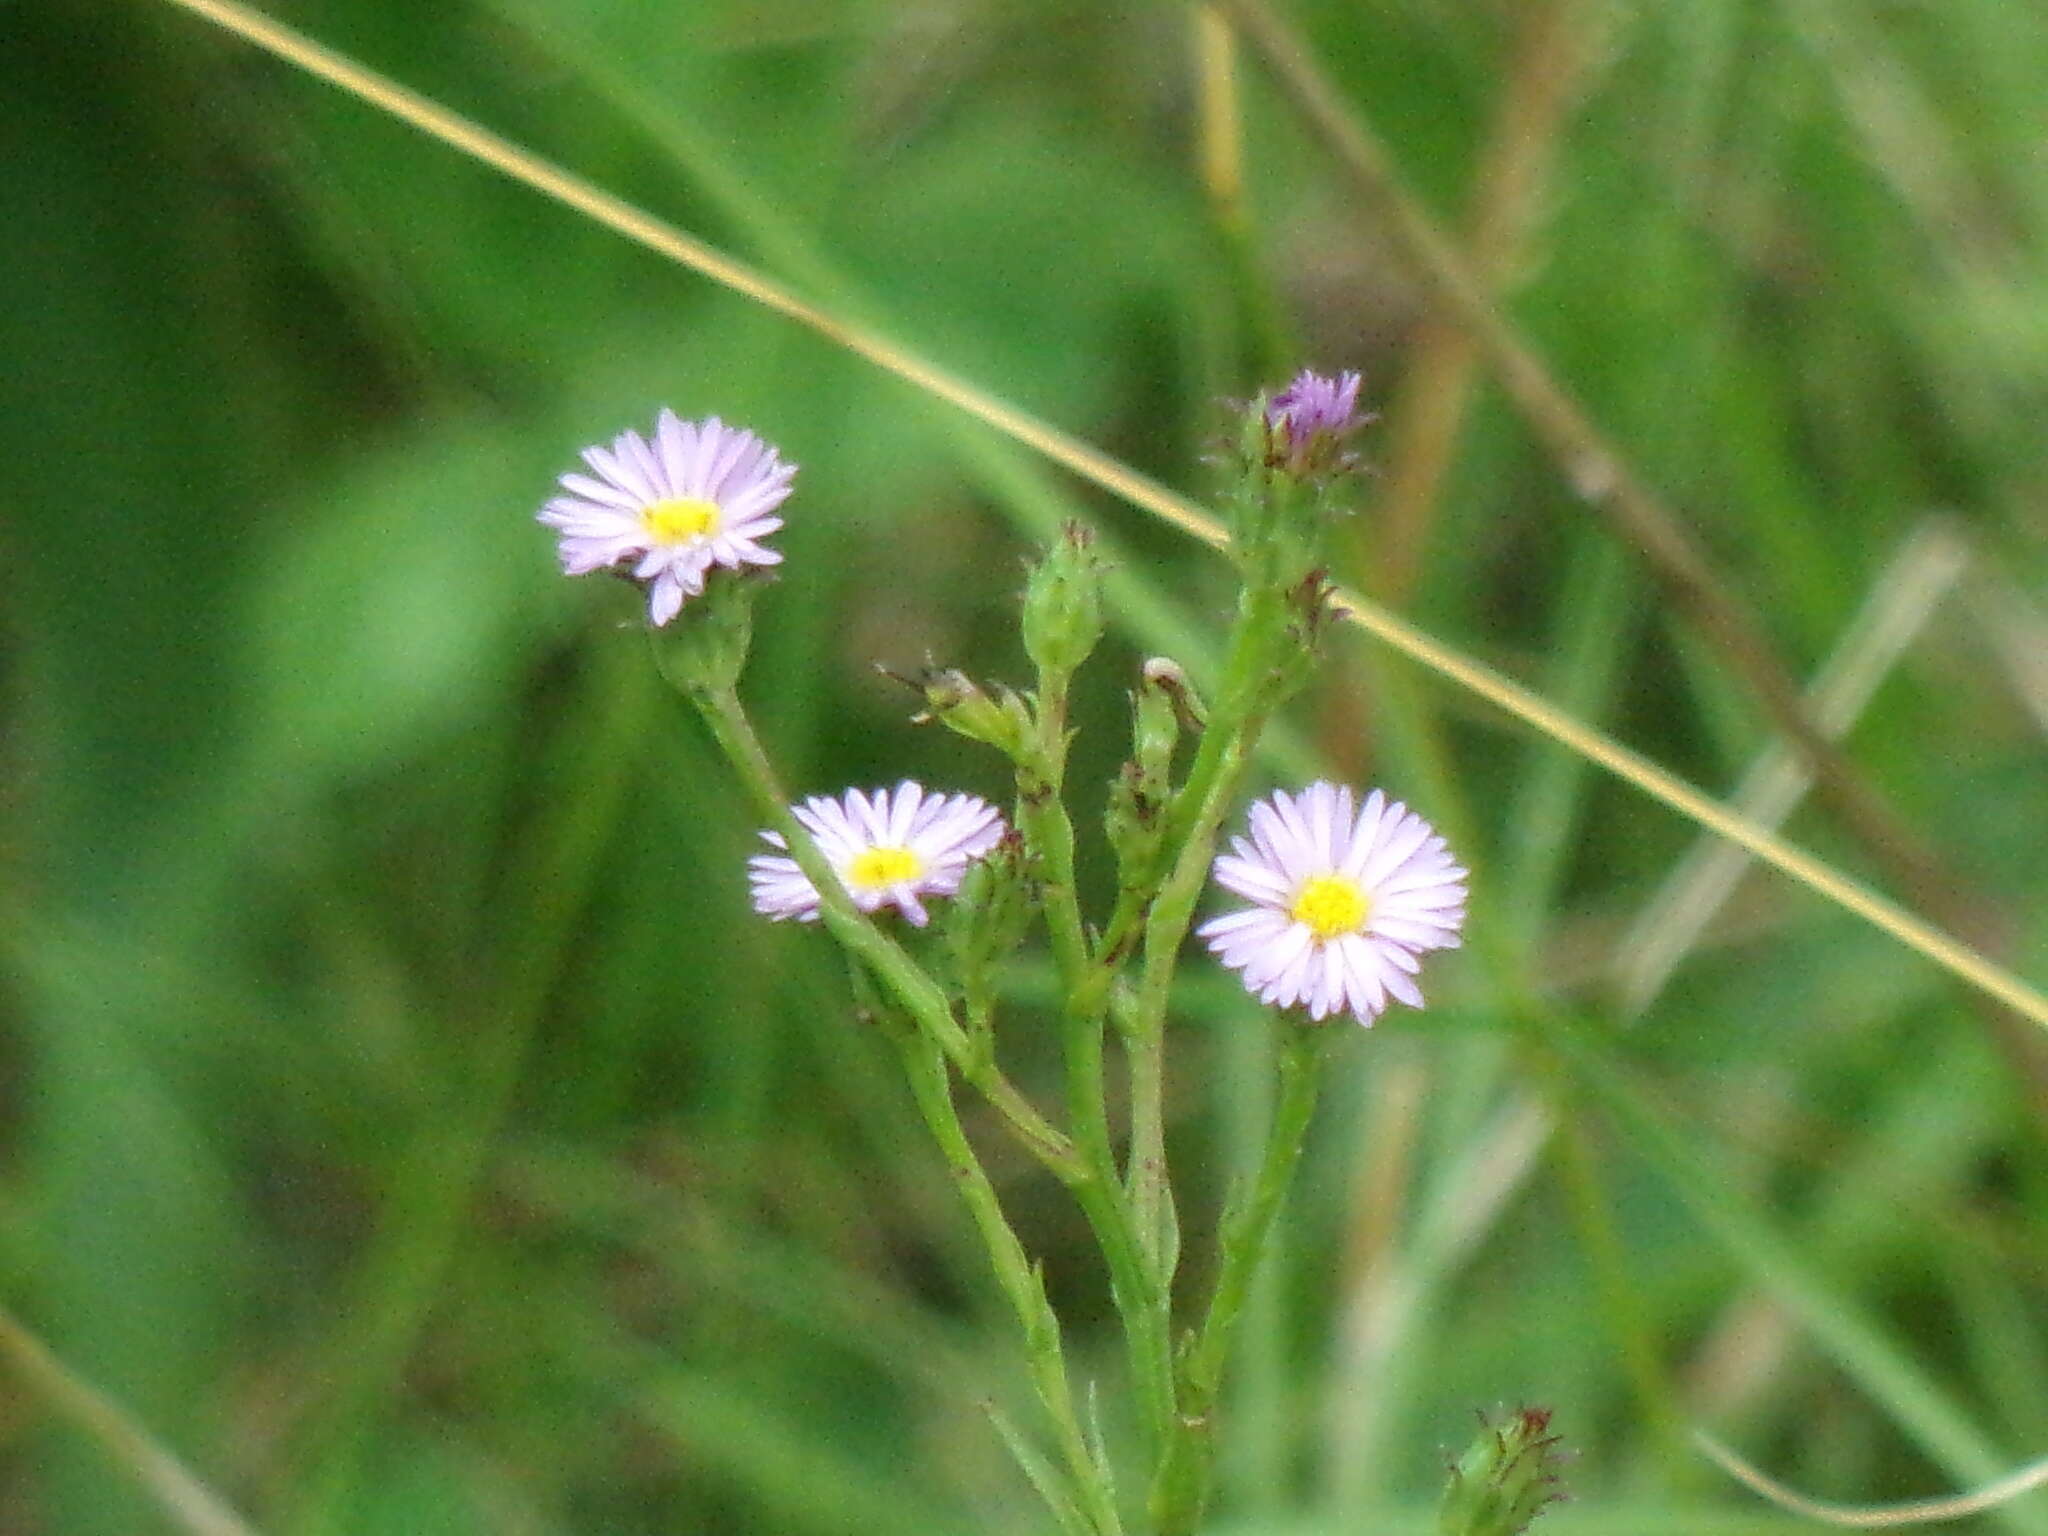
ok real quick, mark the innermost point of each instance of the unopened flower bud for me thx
(1167, 676)
(1293, 471)
(960, 704)
(1504, 1479)
(1063, 604)
(1163, 703)
(1155, 731)
(992, 911)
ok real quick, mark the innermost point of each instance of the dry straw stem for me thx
(1106, 472)
(185, 1500)
(1221, 144)
(1870, 1517)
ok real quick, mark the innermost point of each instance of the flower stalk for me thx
(1089, 1484)
(1180, 1491)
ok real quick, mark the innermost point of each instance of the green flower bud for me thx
(991, 913)
(704, 648)
(960, 704)
(1165, 705)
(1504, 1479)
(1063, 604)
(1155, 731)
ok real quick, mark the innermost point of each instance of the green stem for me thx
(1151, 1189)
(1137, 1282)
(1146, 1213)
(1141, 1303)
(1198, 810)
(1018, 1277)
(1049, 834)
(1182, 1487)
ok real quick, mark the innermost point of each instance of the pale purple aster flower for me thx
(1344, 902)
(698, 494)
(887, 849)
(1308, 421)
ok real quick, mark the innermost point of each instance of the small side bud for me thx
(1167, 677)
(1063, 604)
(992, 911)
(1163, 704)
(960, 704)
(1504, 1479)
(1155, 732)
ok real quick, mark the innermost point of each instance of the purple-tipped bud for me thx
(1307, 422)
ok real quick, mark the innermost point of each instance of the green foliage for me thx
(406, 1122)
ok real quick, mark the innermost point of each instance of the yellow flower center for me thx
(680, 519)
(873, 868)
(1329, 905)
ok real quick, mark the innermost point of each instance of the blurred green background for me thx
(404, 1118)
